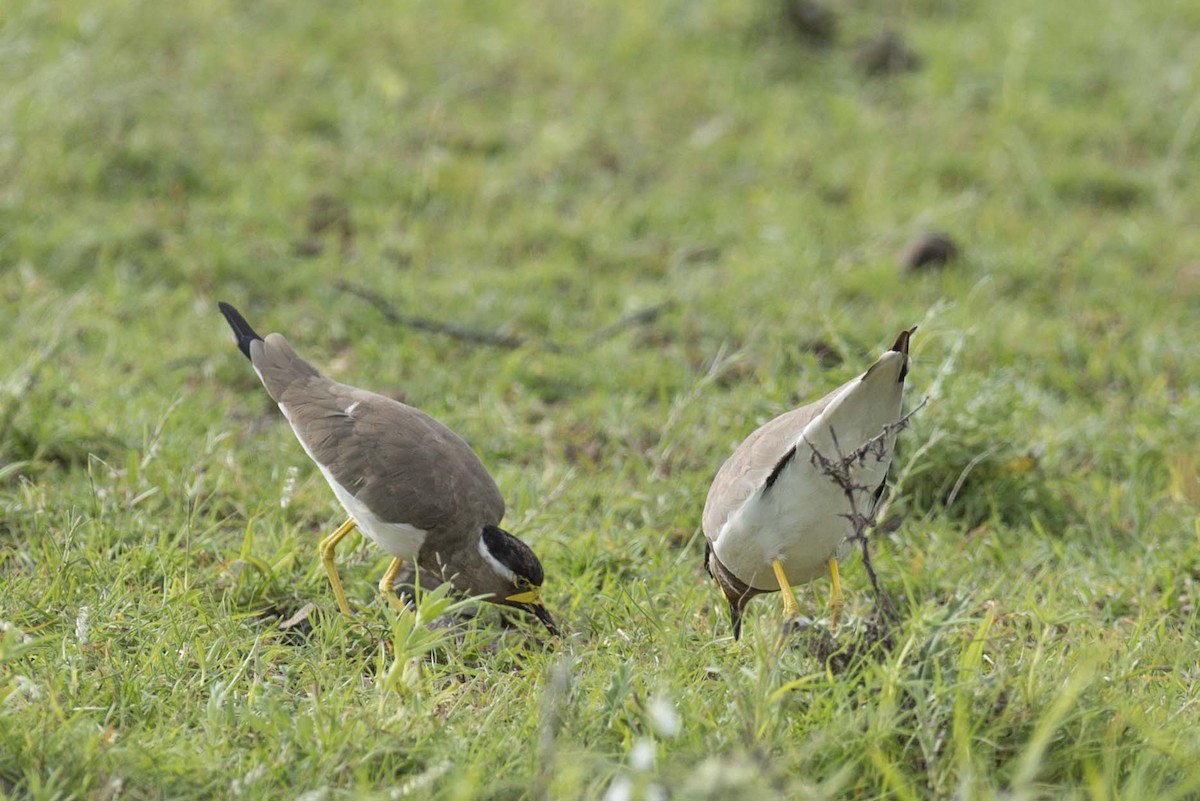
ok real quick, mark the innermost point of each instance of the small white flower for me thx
(641, 756)
(6, 627)
(83, 625)
(621, 789)
(238, 786)
(663, 717)
(26, 688)
(254, 774)
(422, 780)
(319, 794)
(289, 487)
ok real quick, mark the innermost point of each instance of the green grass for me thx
(541, 169)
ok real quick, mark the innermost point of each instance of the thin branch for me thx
(478, 336)
(839, 470)
(633, 319)
(452, 330)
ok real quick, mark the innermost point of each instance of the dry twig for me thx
(839, 470)
(507, 341)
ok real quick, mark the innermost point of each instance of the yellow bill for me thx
(531, 596)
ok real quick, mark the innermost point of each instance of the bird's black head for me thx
(518, 573)
(736, 593)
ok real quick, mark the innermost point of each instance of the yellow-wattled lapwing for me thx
(409, 483)
(774, 516)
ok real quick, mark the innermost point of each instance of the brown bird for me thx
(774, 517)
(408, 482)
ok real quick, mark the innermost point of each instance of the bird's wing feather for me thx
(746, 471)
(403, 464)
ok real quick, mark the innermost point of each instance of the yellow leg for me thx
(385, 585)
(836, 601)
(326, 549)
(790, 607)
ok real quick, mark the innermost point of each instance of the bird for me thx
(775, 517)
(409, 483)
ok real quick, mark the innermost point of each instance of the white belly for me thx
(399, 539)
(798, 521)
(763, 531)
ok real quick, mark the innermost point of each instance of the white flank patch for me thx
(398, 539)
(500, 568)
(350, 409)
(798, 521)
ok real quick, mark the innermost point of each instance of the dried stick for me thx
(453, 330)
(839, 471)
(507, 341)
(640, 317)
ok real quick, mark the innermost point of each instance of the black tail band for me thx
(241, 329)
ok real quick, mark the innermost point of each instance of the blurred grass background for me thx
(542, 170)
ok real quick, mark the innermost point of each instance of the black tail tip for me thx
(735, 618)
(901, 346)
(241, 329)
(902, 341)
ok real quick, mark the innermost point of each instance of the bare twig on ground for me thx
(453, 330)
(840, 471)
(632, 320)
(478, 336)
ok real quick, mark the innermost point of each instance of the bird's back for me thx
(747, 469)
(403, 464)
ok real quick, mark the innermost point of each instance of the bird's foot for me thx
(393, 600)
(793, 626)
(836, 601)
(835, 615)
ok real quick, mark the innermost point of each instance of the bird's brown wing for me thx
(404, 465)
